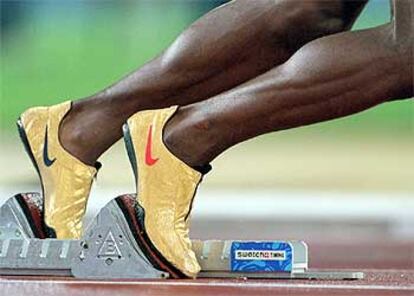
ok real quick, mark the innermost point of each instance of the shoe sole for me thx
(30, 205)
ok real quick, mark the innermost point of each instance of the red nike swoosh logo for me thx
(149, 160)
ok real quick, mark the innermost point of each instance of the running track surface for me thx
(376, 283)
(388, 267)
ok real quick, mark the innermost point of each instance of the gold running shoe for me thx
(165, 190)
(65, 180)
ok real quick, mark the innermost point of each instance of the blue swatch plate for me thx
(261, 256)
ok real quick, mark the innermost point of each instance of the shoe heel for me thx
(130, 149)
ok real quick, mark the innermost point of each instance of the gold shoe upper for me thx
(66, 181)
(165, 189)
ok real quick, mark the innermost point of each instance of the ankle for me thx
(188, 136)
(76, 138)
(71, 137)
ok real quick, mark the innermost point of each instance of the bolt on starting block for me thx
(108, 250)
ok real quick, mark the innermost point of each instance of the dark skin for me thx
(227, 47)
(252, 67)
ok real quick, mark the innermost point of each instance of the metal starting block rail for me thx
(108, 250)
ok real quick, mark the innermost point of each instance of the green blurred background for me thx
(57, 50)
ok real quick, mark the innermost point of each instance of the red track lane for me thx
(374, 254)
(377, 282)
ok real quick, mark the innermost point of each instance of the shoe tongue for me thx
(203, 169)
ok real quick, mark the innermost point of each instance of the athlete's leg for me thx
(225, 48)
(402, 12)
(328, 78)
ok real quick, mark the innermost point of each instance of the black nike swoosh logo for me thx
(48, 162)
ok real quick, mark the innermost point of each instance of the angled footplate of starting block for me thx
(108, 250)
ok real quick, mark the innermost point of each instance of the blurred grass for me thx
(53, 51)
(70, 50)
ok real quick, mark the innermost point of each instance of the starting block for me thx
(108, 250)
